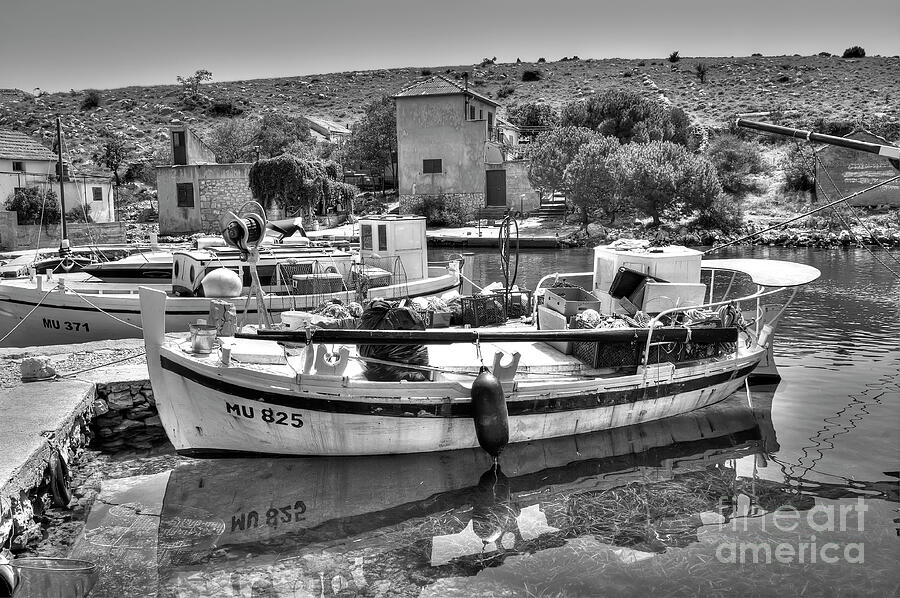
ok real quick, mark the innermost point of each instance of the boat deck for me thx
(457, 361)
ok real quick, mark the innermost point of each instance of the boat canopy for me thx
(768, 273)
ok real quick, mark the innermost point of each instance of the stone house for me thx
(452, 148)
(194, 190)
(851, 171)
(26, 163)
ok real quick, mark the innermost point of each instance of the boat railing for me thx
(759, 336)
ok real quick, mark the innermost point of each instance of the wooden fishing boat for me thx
(61, 309)
(253, 397)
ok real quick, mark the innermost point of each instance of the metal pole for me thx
(887, 151)
(62, 192)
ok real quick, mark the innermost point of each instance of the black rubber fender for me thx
(59, 480)
(9, 578)
(490, 413)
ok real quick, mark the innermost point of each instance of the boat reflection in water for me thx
(336, 526)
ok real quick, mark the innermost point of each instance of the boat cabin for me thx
(649, 279)
(395, 244)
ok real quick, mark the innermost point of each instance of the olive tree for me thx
(591, 180)
(552, 152)
(663, 178)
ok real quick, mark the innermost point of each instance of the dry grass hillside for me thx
(856, 90)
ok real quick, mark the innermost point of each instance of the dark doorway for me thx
(178, 147)
(496, 188)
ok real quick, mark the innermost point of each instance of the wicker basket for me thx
(483, 310)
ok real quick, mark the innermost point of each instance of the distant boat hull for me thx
(72, 316)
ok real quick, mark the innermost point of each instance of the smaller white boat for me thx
(294, 275)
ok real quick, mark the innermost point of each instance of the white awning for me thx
(768, 273)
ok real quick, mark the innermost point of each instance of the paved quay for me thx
(41, 416)
(534, 233)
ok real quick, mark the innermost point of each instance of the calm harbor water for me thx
(791, 490)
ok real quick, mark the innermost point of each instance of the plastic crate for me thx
(316, 284)
(438, 319)
(607, 355)
(570, 300)
(483, 310)
(518, 303)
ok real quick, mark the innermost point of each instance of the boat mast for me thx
(64, 239)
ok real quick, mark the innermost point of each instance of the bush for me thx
(29, 204)
(701, 69)
(735, 161)
(425, 72)
(439, 210)
(756, 54)
(799, 169)
(837, 128)
(854, 52)
(825, 54)
(642, 63)
(529, 76)
(542, 59)
(725, 214)
(91, 99)
(674, 57)
(224, 108)
(80, 213)
(629, 116)
(505, 91)
(487, 61)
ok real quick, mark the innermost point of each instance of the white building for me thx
(26, 163)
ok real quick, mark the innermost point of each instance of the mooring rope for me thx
(102, 311)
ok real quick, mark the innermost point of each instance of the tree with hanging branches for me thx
(299, 185)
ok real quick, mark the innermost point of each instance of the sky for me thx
(57, 45)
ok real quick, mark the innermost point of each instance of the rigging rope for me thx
(853, 212)
(811, 212)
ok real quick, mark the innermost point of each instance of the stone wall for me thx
(218, 196)
(451, 209)
(27, 236)
(125, 417)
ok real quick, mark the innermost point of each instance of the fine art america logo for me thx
(804, 550)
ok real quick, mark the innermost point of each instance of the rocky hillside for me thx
(857, 90)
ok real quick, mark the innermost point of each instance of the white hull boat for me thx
(77, 308)
(74, 310)
(265, 401)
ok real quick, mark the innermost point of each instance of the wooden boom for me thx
(888, 151)
(439, 337)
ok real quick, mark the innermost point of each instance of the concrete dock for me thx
(40, 418)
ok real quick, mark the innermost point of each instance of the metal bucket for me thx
(46, 577)
(203, 338)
